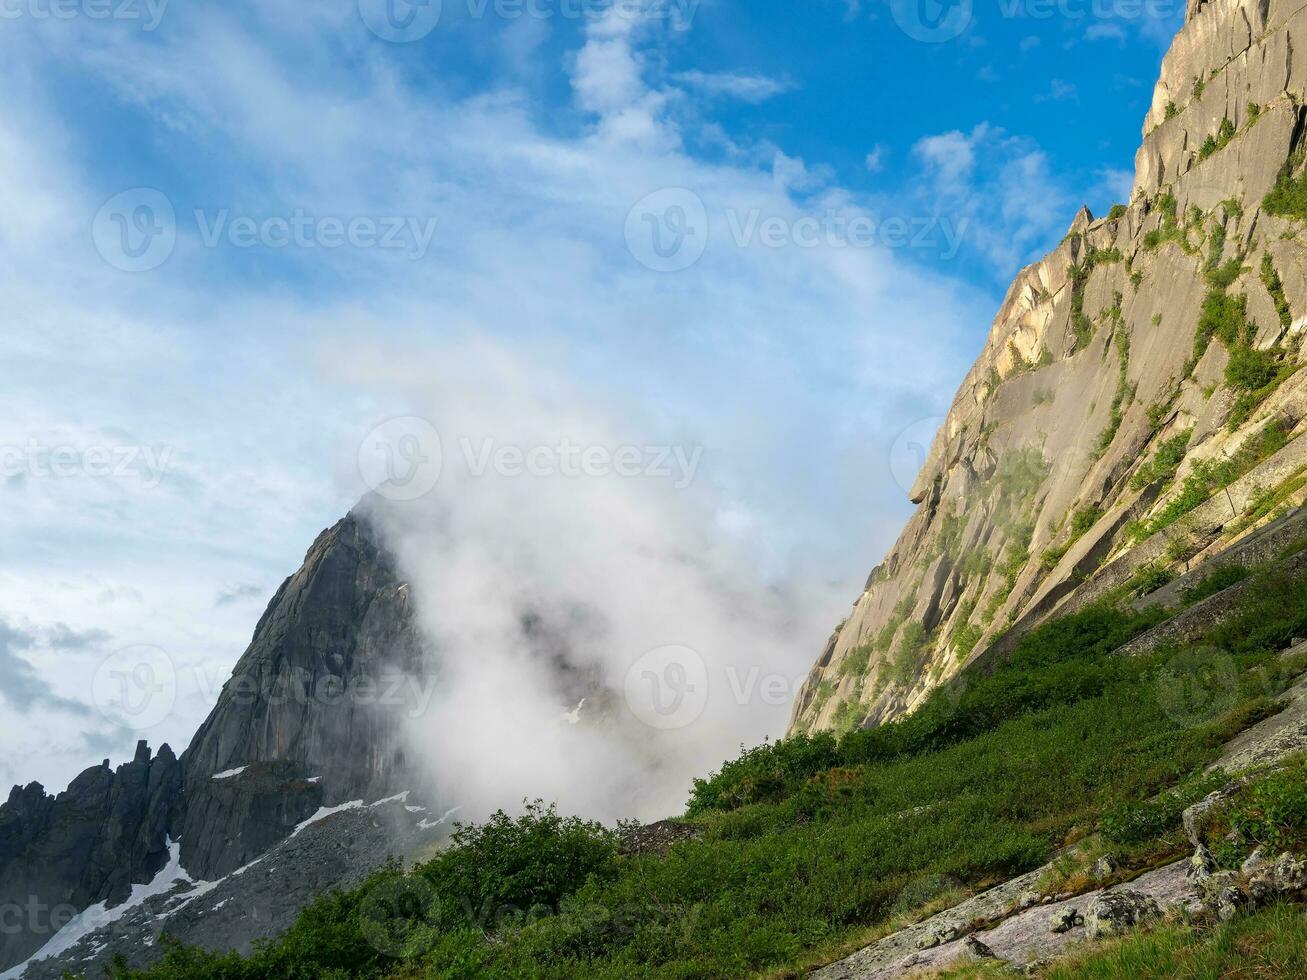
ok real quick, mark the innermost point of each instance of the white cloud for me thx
(747, 88)
(875, 160)
(950, 156)
(999, 187)
(795, 367)
(1115, 185)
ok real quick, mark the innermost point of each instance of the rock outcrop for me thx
(59, 854)
(313, 712)
(1136, 407)
(311, 718)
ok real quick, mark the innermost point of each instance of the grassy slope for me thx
(812, 847)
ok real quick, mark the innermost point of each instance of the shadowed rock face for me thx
(314, 710)
(60, 854)
(312, 716)
(1028, 494)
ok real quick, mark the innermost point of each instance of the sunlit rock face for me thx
(1062, 471)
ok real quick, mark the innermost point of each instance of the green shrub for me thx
(1167, 459)
(1288, 198)
(1223, 317)
(857, 661)
(1148, 579)
(508, 867)
(1271, 279)
(1272, 812)
(1136, 822)
(1210, 476)
(1218, 581)
(1249, 368)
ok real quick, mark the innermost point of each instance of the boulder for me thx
(1116, 912)
(1229, 902)
(1254, 861)
(1289, 874)
(1201, 866)
(1194, 817)
(939, 931)
(1104, 867)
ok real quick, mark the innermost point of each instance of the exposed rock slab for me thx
(1022, 938)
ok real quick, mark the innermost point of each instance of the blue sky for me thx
(781, 322)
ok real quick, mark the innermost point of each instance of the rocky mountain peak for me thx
(1135, 410)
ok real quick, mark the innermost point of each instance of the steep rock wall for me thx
(1143, 368)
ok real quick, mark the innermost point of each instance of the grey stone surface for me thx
(312, 716)
(1112, 913)
(1022, 937)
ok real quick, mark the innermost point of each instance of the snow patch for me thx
(429, 824)
(98, 916)
(326, 811)
(228, 773)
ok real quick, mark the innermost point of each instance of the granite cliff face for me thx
(1135, 409)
